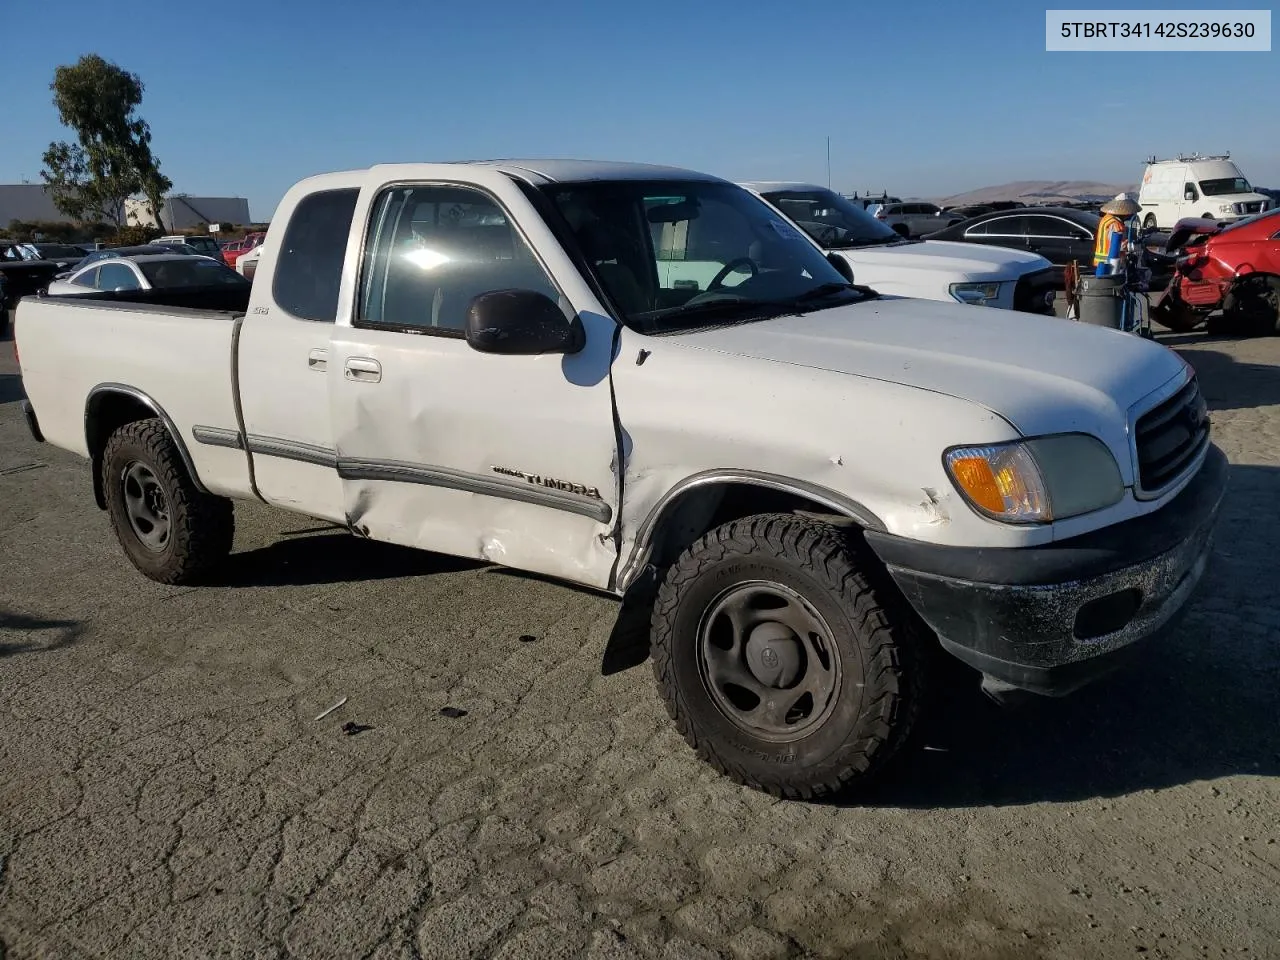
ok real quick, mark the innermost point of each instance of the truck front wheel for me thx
(785, 658)
(169, 530)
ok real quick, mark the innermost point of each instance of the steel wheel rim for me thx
(146, 506)
(768, 660)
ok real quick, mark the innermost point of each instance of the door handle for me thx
(364, 369)
(318, 360)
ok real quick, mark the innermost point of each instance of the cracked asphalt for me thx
(485, 791)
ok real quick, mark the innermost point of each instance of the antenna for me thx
(828, 163)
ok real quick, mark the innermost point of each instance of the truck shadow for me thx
(1201, 707)
(11, 388)
(1229, 384)
(45, 635)
(335, 557)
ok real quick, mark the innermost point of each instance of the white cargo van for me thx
(1195, 186)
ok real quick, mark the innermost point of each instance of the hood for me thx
(970, 261)
(1041, 374)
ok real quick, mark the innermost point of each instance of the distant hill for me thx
(1040, 191)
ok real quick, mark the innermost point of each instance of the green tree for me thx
(111, 159)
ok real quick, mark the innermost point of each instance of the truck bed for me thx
(176, 350)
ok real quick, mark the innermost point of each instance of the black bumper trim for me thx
(29, 415)
(1012, 613)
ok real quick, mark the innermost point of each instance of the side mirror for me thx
(842, 265)
(1189, 194)
(521, 323)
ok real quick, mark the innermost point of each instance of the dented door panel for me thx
(508, 459)
(500, 458)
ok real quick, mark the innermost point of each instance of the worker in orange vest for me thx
(1108, 242)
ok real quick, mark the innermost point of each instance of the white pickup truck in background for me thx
(647, 381)
(931, 269)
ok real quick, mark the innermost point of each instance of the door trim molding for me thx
(217, 437)
(267, 446)
(293, 450)
(397, 471)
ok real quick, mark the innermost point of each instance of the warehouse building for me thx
(29, 202)
(181, 212)
(32, 203)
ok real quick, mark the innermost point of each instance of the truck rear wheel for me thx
(785, 657)
(169, 530)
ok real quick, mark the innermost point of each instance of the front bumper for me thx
(1049, 619)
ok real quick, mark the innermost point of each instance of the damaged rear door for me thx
(505, 458)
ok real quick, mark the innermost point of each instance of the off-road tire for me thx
(884, 653)
(1251, 307)
(202, 526)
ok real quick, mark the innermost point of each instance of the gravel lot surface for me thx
(165, 790)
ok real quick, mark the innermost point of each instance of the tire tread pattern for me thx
(893, 652)
(203, 524)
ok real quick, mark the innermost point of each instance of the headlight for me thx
(1225, 207)
(979, 293)
(1037, 481)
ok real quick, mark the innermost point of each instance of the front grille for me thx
(1252, 207)
(1035, 292)
(1170, 437)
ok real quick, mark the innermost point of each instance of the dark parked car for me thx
(1059, 234)
(965, 211)
(24, 273)
(146, 250)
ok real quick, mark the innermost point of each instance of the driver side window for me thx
(433, 249)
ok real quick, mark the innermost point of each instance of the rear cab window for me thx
(308, 268)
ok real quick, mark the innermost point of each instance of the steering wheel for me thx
(727, 269)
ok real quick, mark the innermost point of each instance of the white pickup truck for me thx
(646, 381)
(932, 269)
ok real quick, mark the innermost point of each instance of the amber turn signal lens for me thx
(1001, 481)
(977, 480)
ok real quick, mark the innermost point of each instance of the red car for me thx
(1226, 277)
(234, 251)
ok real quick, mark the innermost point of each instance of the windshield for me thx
(188, 272)
(830, 219)
(671, 252)
(1225, 185)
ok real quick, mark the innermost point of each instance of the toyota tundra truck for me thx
(647, 381)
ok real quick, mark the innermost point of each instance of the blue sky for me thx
(921, 98)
